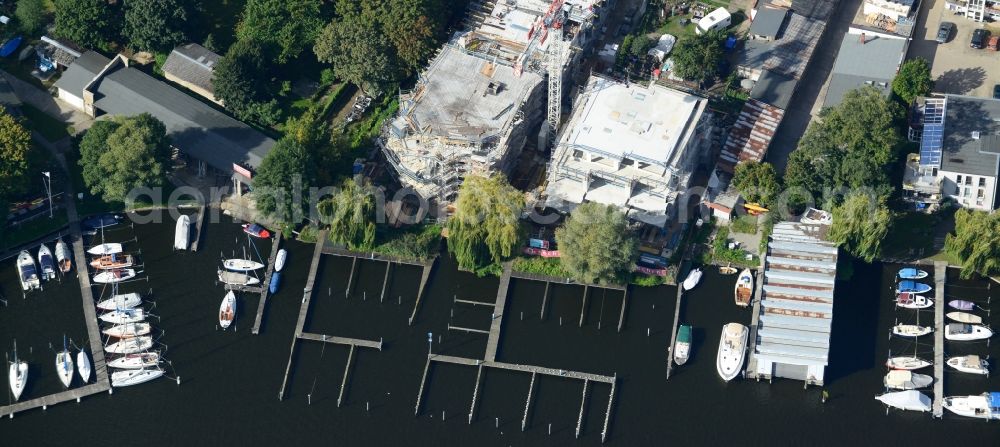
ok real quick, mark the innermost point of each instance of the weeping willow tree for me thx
(351, 214)
(976, 242)
(860, 224)
(595, 244)
(485, 227)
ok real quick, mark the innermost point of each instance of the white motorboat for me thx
(122, 301)
(964, 317)
(682, 346)
(227, 310)
(908, 300)
(113, 276)
(182, 233)
(105, 249)
(966, 332)
(136, 361)
(910, 330)
(743, 292)
(17, 375)
(64, 366)
(241, 265)
(984, 406)
(130, 345)
(128, 330)
(279, 260)
(64, 256)
(134, 376)
(910, 400)
(732, 347)
(46, 263)
(906, 380)
(692, 279)
(907, 363)
(83, 365)
(26, 272)
(124, 316)
(971, 364)
(237, 278)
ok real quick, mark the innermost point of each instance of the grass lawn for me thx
(50, 128)
(673, 26)
(745, 224)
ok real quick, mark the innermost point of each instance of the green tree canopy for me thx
(697, 58)
(851, 145)
(976, 242)
(486, 226)
(131, 152)
(154, 25)
(357, 50)
(860, 224)
(351, 214)
(15, 150)
(31, 15)
(289, 25)
(595, 244)
(281, 185)
(913, 80)
(244, 81)
(90, 23)
(757, 182)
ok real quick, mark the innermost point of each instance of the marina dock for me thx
(493, 342)
(758, 290)
(677, 319)
(304, 309)
(549, 280)
(940, 275)
(275, 246)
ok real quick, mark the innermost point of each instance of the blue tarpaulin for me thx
(994, 399)
(10, 46)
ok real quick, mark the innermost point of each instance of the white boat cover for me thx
(911, 400)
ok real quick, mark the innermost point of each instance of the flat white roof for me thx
(627, 120)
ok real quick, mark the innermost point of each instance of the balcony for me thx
(919, 182)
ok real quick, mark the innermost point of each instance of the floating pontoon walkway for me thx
(275, 245)
(199, 224)
(940, 275)
(677, 318)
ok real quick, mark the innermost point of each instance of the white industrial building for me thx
(795, 312)
(473, 108)
(629, 145)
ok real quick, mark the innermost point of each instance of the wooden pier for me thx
(427, 267)
(493, 342)
(265, 288)
(425, 276)
(621, 316)
(99, 361)
(758, 284)
(677, 319)
(353, 342)
(304, 309)
(940, 275)
(199, 225)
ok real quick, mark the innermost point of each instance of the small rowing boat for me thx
(727, 270)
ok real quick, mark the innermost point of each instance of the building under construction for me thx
(473, 108)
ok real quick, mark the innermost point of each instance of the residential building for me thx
(99, 86)
(959, 155)
(632, 146)
(192, 67)
(865, 59)
(976, 10)
(795, 310)
(893, 9)
(474, 107)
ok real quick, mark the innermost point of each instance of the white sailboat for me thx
(227, 310)
(134, 376)
(241, 265)
(105, 249)
(236, 278)
(83, 365)
(906, 380)
(128, 330)
(122, 301)
(136, 361)
(280, 259)
(64, 365)
(182, 233)
(17, 375)
(64, 256)
(984, 406)
(732, 347)
(124, 316)
(907, 363)
(911, 330)
(46, 263)
(911, 400)
(113, 276)
(130, 345)
(26, 272)
(971, 364)
(966, 332)
(694, 276)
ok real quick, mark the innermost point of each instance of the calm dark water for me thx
(230, 380)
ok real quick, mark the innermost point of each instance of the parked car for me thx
(944, 31)
(996, 91)
(978, 38)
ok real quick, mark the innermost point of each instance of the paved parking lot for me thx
(955, 66)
